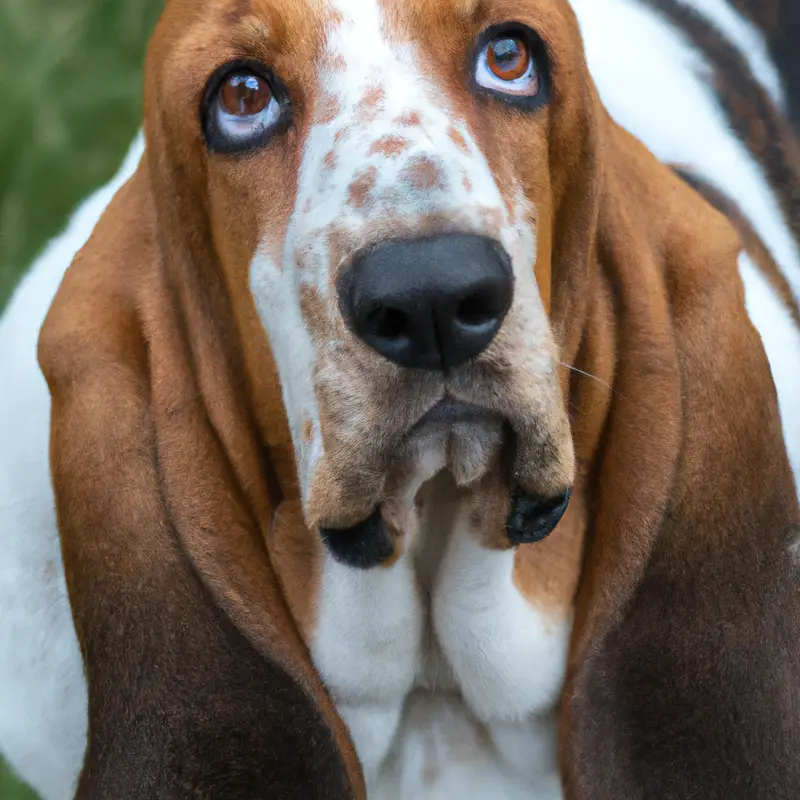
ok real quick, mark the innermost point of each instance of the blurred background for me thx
(70, 79)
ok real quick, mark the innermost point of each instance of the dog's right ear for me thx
(199, 684)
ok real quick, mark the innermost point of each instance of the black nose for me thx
(433, 302)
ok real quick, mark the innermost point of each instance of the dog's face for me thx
(379, 173)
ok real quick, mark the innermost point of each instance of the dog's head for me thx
(388, 222)
(388, 179)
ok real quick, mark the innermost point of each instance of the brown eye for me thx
(245, 106)
(244, 94)
(509, 65)
(508, 58)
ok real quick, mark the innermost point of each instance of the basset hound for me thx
(418, 416)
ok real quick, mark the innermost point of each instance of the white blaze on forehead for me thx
(393, 152)
(384, 155)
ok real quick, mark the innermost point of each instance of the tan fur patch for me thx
(362, 185)
(458, 139)
(330, 108)
(389, 146)
(423, 173)
(411, 119)
(370, 104)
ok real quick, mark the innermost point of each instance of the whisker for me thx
(593, 377)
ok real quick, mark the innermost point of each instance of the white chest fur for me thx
(446, 675)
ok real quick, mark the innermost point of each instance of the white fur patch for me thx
(42, 689)
(446, 676)
(657, 86)
(747, 39)
(508, 657)
(278, 304)
(441, 753)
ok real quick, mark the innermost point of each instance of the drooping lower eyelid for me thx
(265, 119)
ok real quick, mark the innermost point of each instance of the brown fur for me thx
(173, 465)
(750, 239)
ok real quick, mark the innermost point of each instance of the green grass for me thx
(70, 83)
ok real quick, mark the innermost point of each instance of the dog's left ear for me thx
(684, 674)
(199, 683)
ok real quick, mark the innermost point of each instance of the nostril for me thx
(433, 302)
(387, 323)
(476, 311)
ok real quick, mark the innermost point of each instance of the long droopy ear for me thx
(199, 684)
(684, 674)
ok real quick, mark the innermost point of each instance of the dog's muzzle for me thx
(435, 303)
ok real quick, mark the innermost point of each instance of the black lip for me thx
(532, 519)
(450, 411)
(364, 545)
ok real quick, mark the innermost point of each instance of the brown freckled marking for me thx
(312, 307)
(300, 259)
(372, 98)
(370, 104)
(361, 187)
(388, 146)
(308, 431)
(411, 119)
(341, 133)
(432, 224)
(467, 184)
(329, 109)
(391, 224)
(307, 206)
(423, 174)
(457, 138)
(330, 160)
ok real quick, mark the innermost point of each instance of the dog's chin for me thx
(463, 440)
(477, 448)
